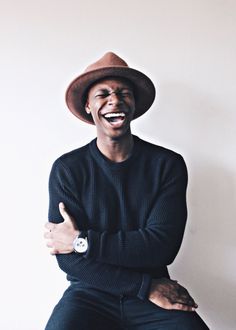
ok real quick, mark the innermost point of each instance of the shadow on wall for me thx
(201, 128)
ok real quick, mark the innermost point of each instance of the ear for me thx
(87, 108)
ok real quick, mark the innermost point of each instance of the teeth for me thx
(112, 115)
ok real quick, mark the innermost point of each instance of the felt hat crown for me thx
(110, 65)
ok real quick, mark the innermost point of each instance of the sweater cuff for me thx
(145, 287)
(93, 244)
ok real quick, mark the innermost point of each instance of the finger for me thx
(63, 212)
(62, 205)
(49, 225)
(174, 281)
(49, 244)
(195, 305)
(183, 298)
(53, 251)
(163, 304)
(182, 307)
(186, 299)
(48, 235)
(190, 303)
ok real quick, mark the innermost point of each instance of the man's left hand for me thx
(169, 294)
(60, 236)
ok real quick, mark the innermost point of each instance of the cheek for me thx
(95, 114)
(132, 106)
(96, 107)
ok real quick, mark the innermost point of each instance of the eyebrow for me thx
(101, 90)
(108, 89)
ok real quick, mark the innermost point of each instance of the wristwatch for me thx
(80, 244)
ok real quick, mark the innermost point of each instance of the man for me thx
(117, 213)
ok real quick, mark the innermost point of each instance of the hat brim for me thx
(144, 90)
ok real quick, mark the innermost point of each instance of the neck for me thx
(117, 150)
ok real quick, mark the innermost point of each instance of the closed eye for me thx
(102, 95)
(125, 92)
(105, 93)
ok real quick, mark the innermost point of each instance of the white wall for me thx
(188, 48)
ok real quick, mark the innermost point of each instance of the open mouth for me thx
(115, 117)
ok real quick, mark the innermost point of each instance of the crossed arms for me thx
(113, 259)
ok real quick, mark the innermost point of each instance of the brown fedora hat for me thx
(110, 65)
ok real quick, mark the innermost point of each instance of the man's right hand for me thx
(168, 294)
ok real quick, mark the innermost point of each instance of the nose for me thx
(114, 98)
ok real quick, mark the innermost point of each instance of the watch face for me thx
(80, 244)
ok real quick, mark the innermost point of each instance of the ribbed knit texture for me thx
(134, 213)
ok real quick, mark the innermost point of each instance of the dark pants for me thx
(89, 309)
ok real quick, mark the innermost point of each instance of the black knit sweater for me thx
(133, 213)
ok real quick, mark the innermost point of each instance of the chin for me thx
(119, 134)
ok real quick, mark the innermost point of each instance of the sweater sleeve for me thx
(109, 278)
(158, 243)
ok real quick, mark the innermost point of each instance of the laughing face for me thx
(111, 104)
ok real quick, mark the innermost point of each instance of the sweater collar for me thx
(104, 161)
